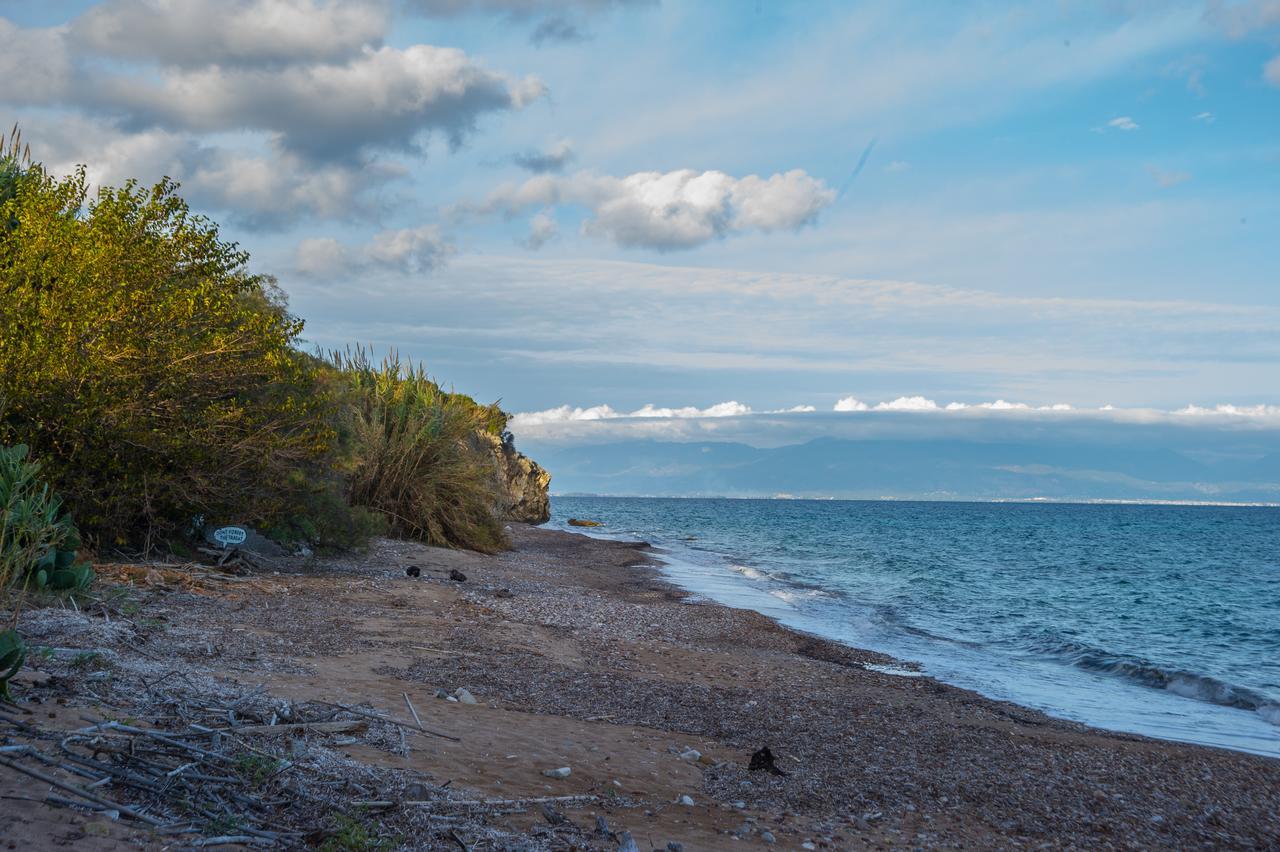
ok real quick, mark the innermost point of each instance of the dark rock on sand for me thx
(457, 576)
(763, 761)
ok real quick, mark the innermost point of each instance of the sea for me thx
(1162, 620)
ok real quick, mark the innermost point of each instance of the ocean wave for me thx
(1137, 670)
(749, 572)
(792, 596)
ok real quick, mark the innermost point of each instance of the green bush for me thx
(157, 378)
(37, 538)
(38, 544)
(415, 455)
(141, 360)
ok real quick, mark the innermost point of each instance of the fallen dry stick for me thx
(391, 721)
(84, 794)
(339, 727)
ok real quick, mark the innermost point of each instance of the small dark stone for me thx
(763, 761)
(413, 571)
(503, 593)
(552, 815)
(457, 576)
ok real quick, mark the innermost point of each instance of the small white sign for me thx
(230, 535)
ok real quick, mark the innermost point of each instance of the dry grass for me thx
(417, 457)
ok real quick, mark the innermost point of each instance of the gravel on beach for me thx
(579, 656)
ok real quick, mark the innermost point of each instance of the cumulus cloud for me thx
(385, 98)
(1231, 410)
(265, 187)
(307, 97)
(567, 414)
(327, 90)
(552, 159)
(674, 210)
(542, 230)
(35, 65)
(698, 423)
(405, 251)
(1123, 122)
(191, 33)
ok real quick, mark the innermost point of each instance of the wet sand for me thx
(579, 654)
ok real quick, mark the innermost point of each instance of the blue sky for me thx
(591, 203)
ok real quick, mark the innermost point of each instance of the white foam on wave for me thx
(1271, 713)
(749, 572)
(791, 596)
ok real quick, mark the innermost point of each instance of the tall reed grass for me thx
(417, 457)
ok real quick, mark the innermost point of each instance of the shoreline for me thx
(740, 590)
(580, 653)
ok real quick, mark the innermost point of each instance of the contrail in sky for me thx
(862, 161)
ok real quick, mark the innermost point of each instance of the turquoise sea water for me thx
(1160, 620)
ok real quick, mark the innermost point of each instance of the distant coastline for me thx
(1057, 501)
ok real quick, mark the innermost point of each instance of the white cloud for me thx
(1204, 117)
(35, 65)
(1229, 410)
(566, 414)
(671, 210)
(681, 423)
(1123, 122)
(385, 98)
(192, 33)
(897, 166)
(329, 100)
(542, 229)
(262, 188)
(908, 403)
(850, 403)
(406, 251)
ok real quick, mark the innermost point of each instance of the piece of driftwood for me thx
(340, 727)
(412, 710)
(391, 721)
(74, 790)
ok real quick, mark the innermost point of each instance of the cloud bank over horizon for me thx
(604, 423)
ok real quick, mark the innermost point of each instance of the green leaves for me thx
(144, 363)
(13, 652)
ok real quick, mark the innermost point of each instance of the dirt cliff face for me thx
(523, 483)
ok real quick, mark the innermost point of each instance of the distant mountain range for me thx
(906, 469)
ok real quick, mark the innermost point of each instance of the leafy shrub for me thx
(38, 545)
(142, 361)
(415, 454)
(37, 538)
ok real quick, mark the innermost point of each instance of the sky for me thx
(595, 209)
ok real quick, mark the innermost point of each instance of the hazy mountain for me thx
(938, 469)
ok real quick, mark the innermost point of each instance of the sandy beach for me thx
(578, 654)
